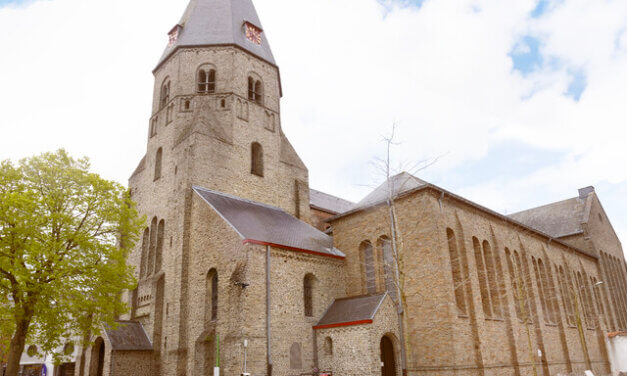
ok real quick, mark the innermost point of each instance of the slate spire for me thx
(219, 22)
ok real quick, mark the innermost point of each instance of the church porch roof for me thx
(258, 223)
(355, 310)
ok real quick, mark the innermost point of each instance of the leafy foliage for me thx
(65, 234)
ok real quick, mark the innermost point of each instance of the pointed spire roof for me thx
(218, 22)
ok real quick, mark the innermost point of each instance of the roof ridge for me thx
(545, 205)
(239, 198)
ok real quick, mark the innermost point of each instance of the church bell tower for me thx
(216, 111)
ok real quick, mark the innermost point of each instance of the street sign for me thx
(44, 371)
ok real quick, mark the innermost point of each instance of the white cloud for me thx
(77, 73)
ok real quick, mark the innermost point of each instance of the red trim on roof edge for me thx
(259, 242)
(350, 323)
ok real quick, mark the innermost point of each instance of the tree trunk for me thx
(16, 348)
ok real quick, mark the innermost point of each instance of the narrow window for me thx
(256, 159)
(540, 290)
(389, 267)
(549, 292)
(211, 297)
(211, 81)
(158, 162)
(525, 283)
(598, 300)
(308, 294)
(483, 282)
(259, 92)
(187, 104)
(492, 279)
(251, 89)
(159, 254)
(165, 94)
(583, 308)
(153, 126)
(296, 359)
(202, 81)
(144, 256)
(516, 286)
(328, 346)
(367, 257)
(566, 293)
(589, 300)
(153, 247)
(223, 103)
(458, 284)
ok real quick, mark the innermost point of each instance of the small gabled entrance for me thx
(388, 361)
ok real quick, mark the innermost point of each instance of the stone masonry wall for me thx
(355, 350)
(441, 339)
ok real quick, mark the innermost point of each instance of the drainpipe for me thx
(268, 331)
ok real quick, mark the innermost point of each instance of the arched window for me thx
(143, 268)
(207, 81)
(296, 359)
(549, 291)
(389, 266)
(516, 285)
(328, 346)
(251, 89)
(565, 291)
(153, 247)
(456, 270)
(367, 266)
(583, 303)
(492, 279)
(483, 278)
(159, 253)
(258, 92)
(255, 90)
(165, 94)
(211, 297)
(308, 283)
(256, 156)
(541, 290)
(525, 282)
(158, 162)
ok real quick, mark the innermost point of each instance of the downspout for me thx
(268, 329)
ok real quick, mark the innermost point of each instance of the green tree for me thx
(65, 234)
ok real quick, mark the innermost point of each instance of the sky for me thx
(517, 103)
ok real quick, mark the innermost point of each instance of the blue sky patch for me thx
(507, 160)
(526, 55)
(577, 85)
(540, 9)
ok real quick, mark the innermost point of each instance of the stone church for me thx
(243, 267)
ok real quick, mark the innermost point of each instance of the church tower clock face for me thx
(253, 33)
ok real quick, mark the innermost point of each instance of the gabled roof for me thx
(128, 336)
(557, 219)
(351, 311)
(268, 225)
(397, 185)
(444, 193)
(328, 203)
(219, 22)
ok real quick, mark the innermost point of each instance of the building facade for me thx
(241, 260)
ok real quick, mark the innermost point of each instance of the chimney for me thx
(584, 192)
